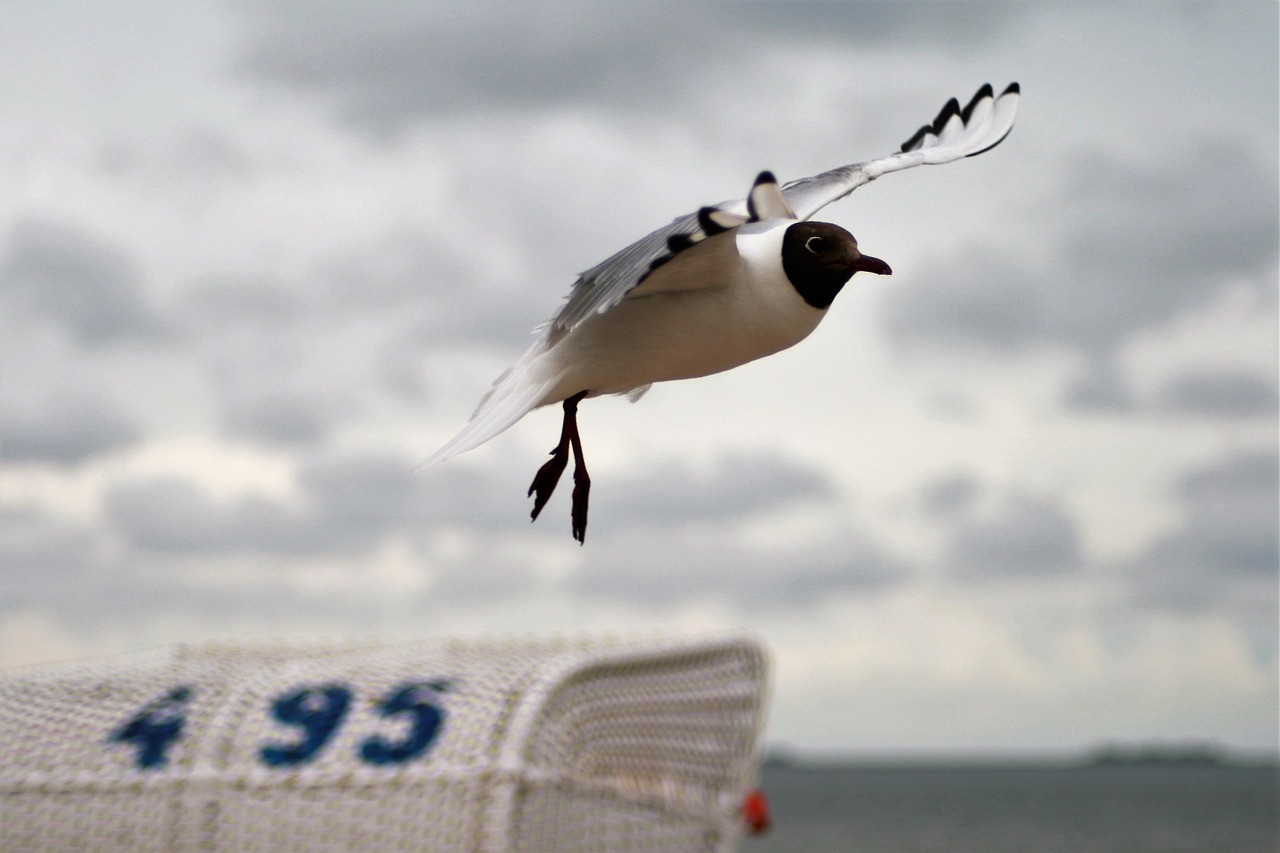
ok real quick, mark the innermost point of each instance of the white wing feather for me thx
(518, 391)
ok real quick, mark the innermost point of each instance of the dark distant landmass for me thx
(1150, 754)
(1160, 755)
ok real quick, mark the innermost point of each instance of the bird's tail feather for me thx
(514, 394)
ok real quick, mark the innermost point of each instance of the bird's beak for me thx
(866, 263)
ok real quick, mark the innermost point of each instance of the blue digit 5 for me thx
(317, 711)
(419, 703)
(155, 728)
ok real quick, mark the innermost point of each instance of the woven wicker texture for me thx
(555, 746)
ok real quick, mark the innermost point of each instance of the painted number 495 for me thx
(316, 712)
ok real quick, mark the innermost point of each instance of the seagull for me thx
(715, 289)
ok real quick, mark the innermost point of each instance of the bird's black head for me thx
(819, 258)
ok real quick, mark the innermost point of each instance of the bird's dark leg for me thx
(544, 482)
(581, 485)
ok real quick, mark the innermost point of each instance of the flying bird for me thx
(729, 284)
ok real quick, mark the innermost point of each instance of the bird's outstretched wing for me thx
(955, 133)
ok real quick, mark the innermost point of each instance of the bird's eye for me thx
(813, 244)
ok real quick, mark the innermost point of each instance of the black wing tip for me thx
(916, 138)
(952, 107)
(708, 224)
(765, 177)
(978, 97)
(949, 109)
(677, 243)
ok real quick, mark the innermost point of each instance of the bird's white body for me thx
(708, 292)
(725, 302)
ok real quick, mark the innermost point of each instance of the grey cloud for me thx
(63, 274)
(280, 369)
(174, 516)
(1103, 387)
(42, 559)
(1232, 521)
(1229, 534)
(197, 156)
(281, 362)
(260, 598)
(1027, 536)
(492, 572)
(1205, 212)
(150, 556)
(443, 292)
(682, 567)
(1221, 393)
(281, 419)
(289, 361)
(1245, 474)
(416, 276)
(951, 496)
(347, 505)
(365, 493)
(212, 305)
(64, 430)
(1140, 244)
(703, 548)
(390, 69)
(672, 494)
(990, 300)
(391, 65)
(85, 581)
(959, 27)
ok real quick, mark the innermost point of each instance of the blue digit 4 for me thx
(418, 702)
(155, 728)
(317, 711)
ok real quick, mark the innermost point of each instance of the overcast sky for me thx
(257, 260)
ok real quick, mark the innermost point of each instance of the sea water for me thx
(1089, 809)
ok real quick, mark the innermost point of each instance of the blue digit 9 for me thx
(317, 711)
(417, 702)
(155, 728)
